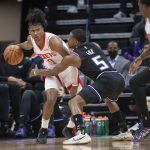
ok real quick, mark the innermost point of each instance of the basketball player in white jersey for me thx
(52, 49)
(139, 80)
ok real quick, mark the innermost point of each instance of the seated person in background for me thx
(123, 9)
(4, 107)
(31, 113)
(118, 62)
(12, 76)
(19, 73)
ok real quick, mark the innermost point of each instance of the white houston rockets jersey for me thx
(147, 28)
(52, 58)
(46, 53)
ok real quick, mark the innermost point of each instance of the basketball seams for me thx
(6, 54)
(13, 55)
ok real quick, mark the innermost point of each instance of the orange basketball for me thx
(13, 55)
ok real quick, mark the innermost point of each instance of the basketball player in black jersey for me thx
(108, 84)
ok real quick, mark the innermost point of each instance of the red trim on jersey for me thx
(52, 61)
(59, 79)
(79, 82)
(43, 44)
(43, 79)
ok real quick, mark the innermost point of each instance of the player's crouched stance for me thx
(107, 85)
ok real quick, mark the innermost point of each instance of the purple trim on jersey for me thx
(104, 72)
(76, 53)
(95, 91)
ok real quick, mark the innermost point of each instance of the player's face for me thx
(113, 46)
(36, 31)
(113, 49)
(145, 10)
(72, 42)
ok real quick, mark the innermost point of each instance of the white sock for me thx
(70, 123)
(44, 123)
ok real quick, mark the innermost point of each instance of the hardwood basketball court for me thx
(98, 143)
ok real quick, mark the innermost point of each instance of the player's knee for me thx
(72, 103)
(69, 103)
(50, 101)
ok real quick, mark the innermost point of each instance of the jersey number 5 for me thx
(101, 63)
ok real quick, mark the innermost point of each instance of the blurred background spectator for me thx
(123, 12)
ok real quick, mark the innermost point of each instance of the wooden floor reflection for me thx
(98, 143)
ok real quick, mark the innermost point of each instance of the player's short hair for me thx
(79, 34)
(146, 2)
(36, 16)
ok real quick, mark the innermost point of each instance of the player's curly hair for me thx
(146, 2)
(79, 34)
(36, 16)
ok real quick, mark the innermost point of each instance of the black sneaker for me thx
(68, 132)
(42, 136)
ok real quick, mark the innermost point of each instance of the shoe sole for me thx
(20, 136)
(88, 140)
(41, 142)
(125, 139)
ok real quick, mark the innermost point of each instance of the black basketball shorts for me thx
(109, 84)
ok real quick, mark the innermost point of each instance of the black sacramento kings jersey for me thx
(93, 60)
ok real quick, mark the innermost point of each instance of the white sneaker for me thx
(119, 15)
(72, 9)
(78, 139)
(134, 127)
(127, 136)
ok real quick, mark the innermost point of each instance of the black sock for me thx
(121, 123)
(78, 122)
